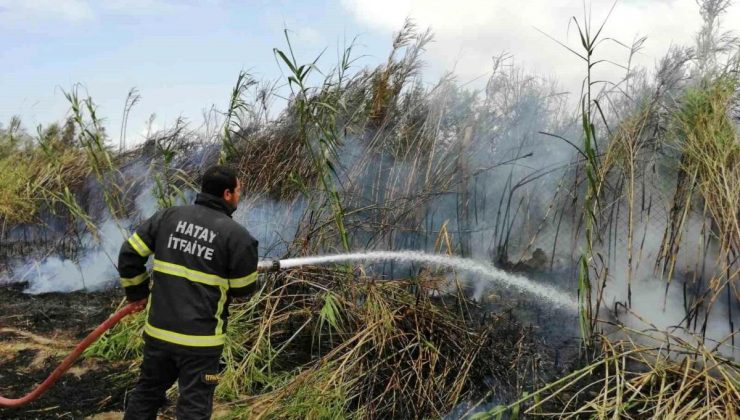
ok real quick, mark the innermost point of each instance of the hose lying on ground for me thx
(70, 359)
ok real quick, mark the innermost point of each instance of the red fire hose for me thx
(70, 359)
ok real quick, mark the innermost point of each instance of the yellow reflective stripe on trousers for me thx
(139, 246)
(243, 281)
(184, 339)
(133, 281)
(220, 310)
(186, 273)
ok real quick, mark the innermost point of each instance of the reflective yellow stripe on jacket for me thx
(220, 311)
(192, 275)
(201, 277)
(243, 281)
(133, 281)
(139, 246)
(184, 339)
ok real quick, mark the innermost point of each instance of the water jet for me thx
(548, 293)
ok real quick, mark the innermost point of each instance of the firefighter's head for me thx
(221, 181)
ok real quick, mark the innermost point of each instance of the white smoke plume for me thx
(657, 306)
(96, 268)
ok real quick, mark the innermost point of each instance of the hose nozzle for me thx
(268, 266)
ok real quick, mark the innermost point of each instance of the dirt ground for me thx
(36, 333)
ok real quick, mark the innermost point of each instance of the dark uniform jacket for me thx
(202, 258)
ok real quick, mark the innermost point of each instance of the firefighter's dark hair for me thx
(218, 179)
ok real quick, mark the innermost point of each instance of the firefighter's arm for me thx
(243, 266)
(132, 258)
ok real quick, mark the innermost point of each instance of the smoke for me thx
(273, 223)
(95, 269)
(491, 172)
(656, 305)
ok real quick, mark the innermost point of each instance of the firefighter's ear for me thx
(232, 195)
(229, 197)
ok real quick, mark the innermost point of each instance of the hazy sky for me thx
(184, 55)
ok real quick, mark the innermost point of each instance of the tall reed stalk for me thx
(317, 119)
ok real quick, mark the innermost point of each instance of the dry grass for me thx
(31, 177)
(321, 346)
(636, 375)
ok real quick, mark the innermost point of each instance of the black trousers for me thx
(196, 377)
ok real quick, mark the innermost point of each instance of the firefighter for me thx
(201, 260)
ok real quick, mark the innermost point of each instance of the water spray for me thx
(548, 293)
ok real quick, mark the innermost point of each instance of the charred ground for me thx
(36, 333)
